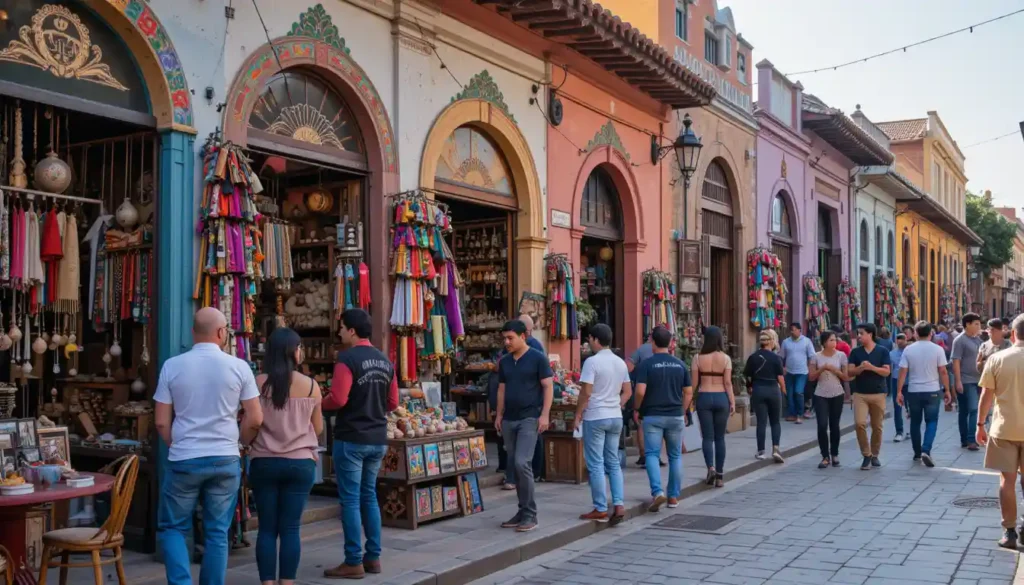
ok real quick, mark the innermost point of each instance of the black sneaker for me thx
(526, 525)
(662, 463)
(866, 464)
(875, 462)
(917, 457)
(927, 458)
(513, 522)
(1009, 539)
(641, 462)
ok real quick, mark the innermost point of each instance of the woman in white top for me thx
(828, 369)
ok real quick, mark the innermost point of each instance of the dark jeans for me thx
(510, 470)
(968, 413)
(521, 441)
(828, 411)
(897, 410)
(713, 412)
(767, 404)
(280, 487)
(923, 405)
(355, 468)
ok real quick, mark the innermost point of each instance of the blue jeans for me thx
(355, 467)
(923, 405)
(601, 450)
(669, 429)
(967, 402)
(280, 487)
(795, 384)
(213, 481)
(897, 410)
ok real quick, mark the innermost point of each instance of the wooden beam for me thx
(519, 14)
(569, 32)
(543, 24)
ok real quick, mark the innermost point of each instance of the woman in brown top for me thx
(712, 377)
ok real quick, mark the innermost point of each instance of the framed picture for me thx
(436, 499)
(433, 459)
(451, 498)
(463, 460)
(449, 411)
(446, 456)
(472, 503)
(478, 451)
(54, 444)
(27, 433)
(8, 459)
(28, 455)
(423, 503)
(414, 456)
(10, 427)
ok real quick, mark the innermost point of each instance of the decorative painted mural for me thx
(315, 23)
(607, 135)
(483, 87)
(469, 158)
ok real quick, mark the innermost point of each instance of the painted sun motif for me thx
(304, 108)
(470, 159)
(304, 122)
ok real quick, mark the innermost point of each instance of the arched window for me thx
(865, 246)
(716, 185)
(781, 225)
(891, 256)
(600, 212)
(878, 246)
(469, 159)
(906, 257)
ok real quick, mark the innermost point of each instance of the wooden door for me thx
(785, 253)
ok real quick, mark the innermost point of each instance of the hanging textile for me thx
(947, 305)
(766, 296)
(70, 270)
(659, 301)
(889, 311)
(815, 306)
(849, 305)
(910, 294)
(561, 298)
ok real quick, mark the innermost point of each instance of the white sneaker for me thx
(898, 438)
(759, 456)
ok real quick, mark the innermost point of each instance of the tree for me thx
(996, 231)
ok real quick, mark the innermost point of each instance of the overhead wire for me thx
(280, 67)
(1000, 137)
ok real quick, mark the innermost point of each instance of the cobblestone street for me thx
(799, 524)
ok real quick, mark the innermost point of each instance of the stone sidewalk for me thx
(795, 524)
(459, 550)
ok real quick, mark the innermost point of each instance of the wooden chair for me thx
(68, 541)
(6, 566)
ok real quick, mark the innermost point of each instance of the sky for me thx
(975, 81)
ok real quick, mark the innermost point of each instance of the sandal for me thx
(710, 480)
(719, 480)
(824, 463)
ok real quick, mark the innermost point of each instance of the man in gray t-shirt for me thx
(966, 377)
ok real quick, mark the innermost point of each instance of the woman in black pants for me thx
(828, 368)
(712, 376)
(767, 388)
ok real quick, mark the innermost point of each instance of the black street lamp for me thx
(687, 148)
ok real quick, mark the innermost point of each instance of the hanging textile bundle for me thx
(816, 307)
(767, 289)
(849, 305)
(561, 297)
(659, 298)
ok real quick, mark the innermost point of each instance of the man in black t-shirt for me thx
(869, 367)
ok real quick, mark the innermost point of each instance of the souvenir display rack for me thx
(561, 297)
(659, 301)
(947, 305)
(426, 314)
(910, 294)
(849, 305)
(767, 289)
(816, 309)
(889, 309)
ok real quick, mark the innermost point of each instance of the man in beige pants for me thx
(1002, 383)
(869, 368)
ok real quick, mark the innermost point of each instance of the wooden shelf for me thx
(436, 515)
(310, 245)
(427, 478)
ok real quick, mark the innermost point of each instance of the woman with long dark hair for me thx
(712, 377)
(283, 455)
(828, 369)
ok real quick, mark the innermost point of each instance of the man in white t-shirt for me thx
(924, 374)
(606, 389)
(202, 390)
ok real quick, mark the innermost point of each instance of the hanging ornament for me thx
(51, 346)
(106, 357)
(52, 174)
(115, 348)
(72, 372)
(127, 215)
(144, 356)
(138, 386)
(56, 362)
(39, 346)
(15, 332)
(5, 340)
(70, 350)
(26, 367)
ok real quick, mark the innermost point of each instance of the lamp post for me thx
(687, 148)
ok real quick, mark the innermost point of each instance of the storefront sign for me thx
(561, 219)
(709, 73)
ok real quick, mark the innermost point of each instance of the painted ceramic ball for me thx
(127, 216)
(319, 201)
(52, 174)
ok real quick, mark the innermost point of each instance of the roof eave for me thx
(847, 137)
(931, 210)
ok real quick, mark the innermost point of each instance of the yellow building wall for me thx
(920, 231)
(641, 14)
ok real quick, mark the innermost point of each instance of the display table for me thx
(563, 454)
(431, 477)
(14, 510)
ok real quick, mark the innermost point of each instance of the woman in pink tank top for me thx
(284, 456)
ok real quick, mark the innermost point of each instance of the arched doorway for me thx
(601, 251)
(907, 281)
(864, 274)
(783, 238)
(717, 225)
(106, 129)
(830, 267)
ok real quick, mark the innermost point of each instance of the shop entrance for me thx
(830, 267)
(717, 227)
(601, 254)
(782, 246)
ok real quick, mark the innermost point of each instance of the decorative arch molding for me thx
(482, 86)
(158, 62)
(347, 77)
(608, 135)
(492, 120)
(621, 173)
(782, 187)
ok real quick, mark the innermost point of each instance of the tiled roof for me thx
(904, 129)
(617, 46)
(835, 128)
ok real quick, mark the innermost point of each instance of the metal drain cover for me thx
(985, 502)
(695, 523)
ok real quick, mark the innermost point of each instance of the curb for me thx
(482, 567)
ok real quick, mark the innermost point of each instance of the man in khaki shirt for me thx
(1002, 383)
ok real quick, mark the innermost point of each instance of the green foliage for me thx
(994, 229)
(585, 314)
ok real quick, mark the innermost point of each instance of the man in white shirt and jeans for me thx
(923, 372)
(202, 390)
(606, 389)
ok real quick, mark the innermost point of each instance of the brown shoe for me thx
(372, 567)
(344, 571)
(618, 515)
(595, 516)
(673, 503)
